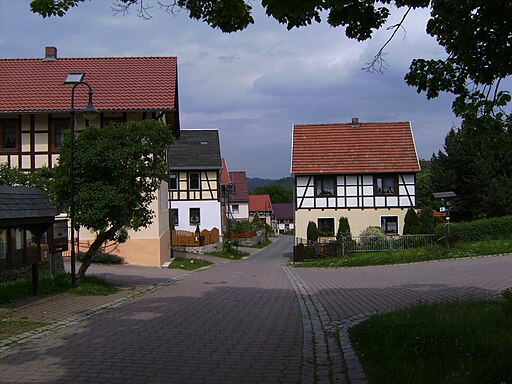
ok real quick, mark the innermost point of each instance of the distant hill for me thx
(255, 182)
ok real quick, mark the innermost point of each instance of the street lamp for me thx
(90, 113)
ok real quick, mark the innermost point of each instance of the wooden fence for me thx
(192, 239)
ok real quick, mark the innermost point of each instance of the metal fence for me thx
(353, 244)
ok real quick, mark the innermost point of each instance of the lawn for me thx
(12, 290)
(467, 342)
(188, 264)
(229, 253)
(413, 255)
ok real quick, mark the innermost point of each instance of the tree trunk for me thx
(93, 248)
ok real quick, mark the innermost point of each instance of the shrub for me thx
(482, 229)
(103, 258)
(427, 221)
(312, 231)
(411, 223)
(343, 229)
(507, 296)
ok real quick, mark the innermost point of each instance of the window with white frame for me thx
(325, 227)
(235, 208)
(195, 216)
(324, 185)
(386, 185)
(3, 243)
(389, 224)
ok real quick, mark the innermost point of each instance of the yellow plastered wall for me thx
(359, 219)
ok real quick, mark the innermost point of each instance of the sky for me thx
(252, 85)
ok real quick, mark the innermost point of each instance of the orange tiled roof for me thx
(241, 193)
(119, 83)
(260, 203)
(343, 148)
(224, 177)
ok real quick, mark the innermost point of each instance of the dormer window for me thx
(324, 186)
(386, 185)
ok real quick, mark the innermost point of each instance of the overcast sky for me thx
(252, 85)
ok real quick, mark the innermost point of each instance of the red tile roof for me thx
(119, 83)
(241, 194)
(343, 148)
(224, 177)
(283, 211)
(260, 203)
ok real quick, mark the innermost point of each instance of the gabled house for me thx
(261, 205)
(195, 181)
(283, 217)
(35, 109)
(363, 171)
(239, 198)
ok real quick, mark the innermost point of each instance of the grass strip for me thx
(16, 289)
(188, 264)
(466, 342)
(414, 255)
(232, 254)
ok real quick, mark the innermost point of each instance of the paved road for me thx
(247, 321)
(233, 323)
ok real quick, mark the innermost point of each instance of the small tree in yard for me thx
(117, 171)
(411, 223)
(343, 229)
(312, 231)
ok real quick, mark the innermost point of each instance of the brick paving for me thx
(233, 323)
(248, 321)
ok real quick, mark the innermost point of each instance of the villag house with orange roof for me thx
(363, 171)
(35, 107)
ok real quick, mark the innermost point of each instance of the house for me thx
(283, 217)
(363, 171)
(239, 199)
(261, 205)
(195, 180)
(35, 109)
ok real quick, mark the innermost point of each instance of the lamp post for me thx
(90, 113)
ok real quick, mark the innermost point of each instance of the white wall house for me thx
(195, 181)
(363, 171)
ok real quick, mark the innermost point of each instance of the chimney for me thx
(50, 54)
(355, 122)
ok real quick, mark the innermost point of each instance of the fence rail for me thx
(353, 244)
(192, 239)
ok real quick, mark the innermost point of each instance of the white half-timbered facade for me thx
(195, 181)
(363, 171)
(35, 112)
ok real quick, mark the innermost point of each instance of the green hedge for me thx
(483, 229)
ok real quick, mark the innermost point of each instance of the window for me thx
(173, 217)
(20, 239)
(8, 135)
(111, 119)
(57, 132)
(195, 216)
(235, 208)
(389, 224)
(326, 227)
(324, 186)
(3, 243)
(385, 185)
(193, 181)
(173, 180)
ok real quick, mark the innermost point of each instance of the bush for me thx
(411, 223)
(312, 231)
(103, 258)
(482, 229)
(507, 296)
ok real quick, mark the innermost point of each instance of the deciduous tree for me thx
(117, 170)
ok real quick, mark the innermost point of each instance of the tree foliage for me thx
(41, 178)
(343, 229)
(277, 193)
(411, 223)
(477, 165)
(117, 171)
(312, 231)
(476, 35)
